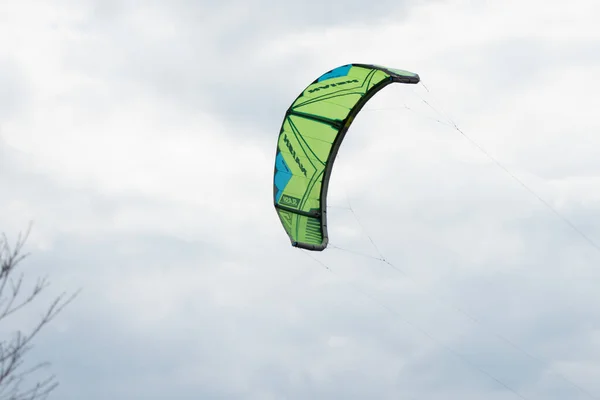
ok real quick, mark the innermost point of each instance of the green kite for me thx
(311, 134)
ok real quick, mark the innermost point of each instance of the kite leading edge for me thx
(312, 131)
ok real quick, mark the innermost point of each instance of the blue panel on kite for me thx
(336, 73)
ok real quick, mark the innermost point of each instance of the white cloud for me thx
(140, 140)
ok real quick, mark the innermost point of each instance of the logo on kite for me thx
(290, 201)
(332, 85)
(293, 152)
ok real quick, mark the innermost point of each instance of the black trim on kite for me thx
(394, 75)
(340, 137)
(314, 214)
(336, 123)
(307, 246)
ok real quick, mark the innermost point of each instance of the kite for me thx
(312, 131)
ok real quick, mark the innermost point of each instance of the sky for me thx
(139, 139)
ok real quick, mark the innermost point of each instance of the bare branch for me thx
(13, 374)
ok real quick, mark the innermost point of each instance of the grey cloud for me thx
(213, 61)
(266, 14)
(505, 66)
(277, 348)
(15, 91)
(251, 349)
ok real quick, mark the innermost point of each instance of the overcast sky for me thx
(139, 137)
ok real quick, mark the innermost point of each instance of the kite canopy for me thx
(310, 136)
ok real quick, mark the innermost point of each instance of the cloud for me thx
(140, 141)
